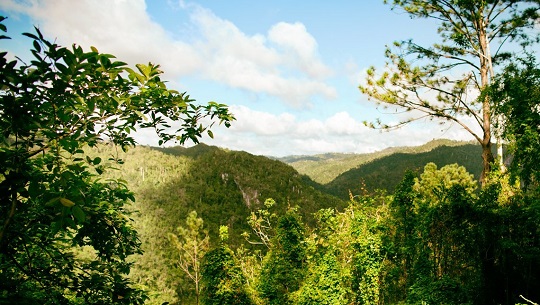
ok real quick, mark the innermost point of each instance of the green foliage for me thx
(453, 248)
(369, 235)
(261, 224)
(66, 232)
(323, 284)
(434, 184)
(192, 244)
(385, 173)
(403, 219)
(159, 210)
(283, 267)
(515, 95)
(223, 280)
(510, 240)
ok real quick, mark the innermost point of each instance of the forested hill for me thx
(324, 168)
(224, 177)
(386, 172)
(222, 186)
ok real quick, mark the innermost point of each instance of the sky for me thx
(289, 70)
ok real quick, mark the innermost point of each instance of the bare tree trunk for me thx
(487, 160)
(485, 70)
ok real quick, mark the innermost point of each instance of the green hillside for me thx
(224, 187)
(324, 168)
(386, 172)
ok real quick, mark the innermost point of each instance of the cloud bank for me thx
(285, 134)
(283, 62)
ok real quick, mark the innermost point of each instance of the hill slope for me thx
(386, 172)
(326, 167)
(224, 187)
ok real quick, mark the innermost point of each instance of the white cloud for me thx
(278, 135)
(302, 47)
(120, 27)
(261, 123)
(291, 73)
(282, 63)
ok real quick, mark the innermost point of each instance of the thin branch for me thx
(533, 303)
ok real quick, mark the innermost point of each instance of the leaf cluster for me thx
(66, 233)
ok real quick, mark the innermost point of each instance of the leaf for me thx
(66, 202)
(30, 35)
(52, 201)
(37, 46)
(62, 68)
(78, 213)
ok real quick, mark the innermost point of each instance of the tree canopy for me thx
(65, 232)
(516, 97)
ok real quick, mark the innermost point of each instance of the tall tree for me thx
(192, 244)
(443, 81)
(328, 259)
(284, 265)
(65, 232)
(223, 280)
(434, 235)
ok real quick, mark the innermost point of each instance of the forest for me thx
(87, 216)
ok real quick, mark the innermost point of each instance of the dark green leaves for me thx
(516, 96)
(53, 203)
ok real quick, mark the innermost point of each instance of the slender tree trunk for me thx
(487, 160)
(485, 70)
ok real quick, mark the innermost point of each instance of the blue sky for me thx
(289, 70)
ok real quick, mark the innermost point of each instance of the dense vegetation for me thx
(211, 226)
(436, 238)
(222, 187)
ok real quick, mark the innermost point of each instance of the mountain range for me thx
(225, 187)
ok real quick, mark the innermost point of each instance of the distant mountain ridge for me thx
(324, 168)
(386, 172)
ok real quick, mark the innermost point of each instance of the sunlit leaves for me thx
(53, 196)
(516, 97)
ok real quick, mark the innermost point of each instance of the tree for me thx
(323, 284)
(65, 233)
(434, 236)
(368, 234)
(261, 224)
(192, 245)
(516, 96)
(443, 81)
(328, 256)
(223, 280)
(434, 184)
(283, 266)
(402, 219)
